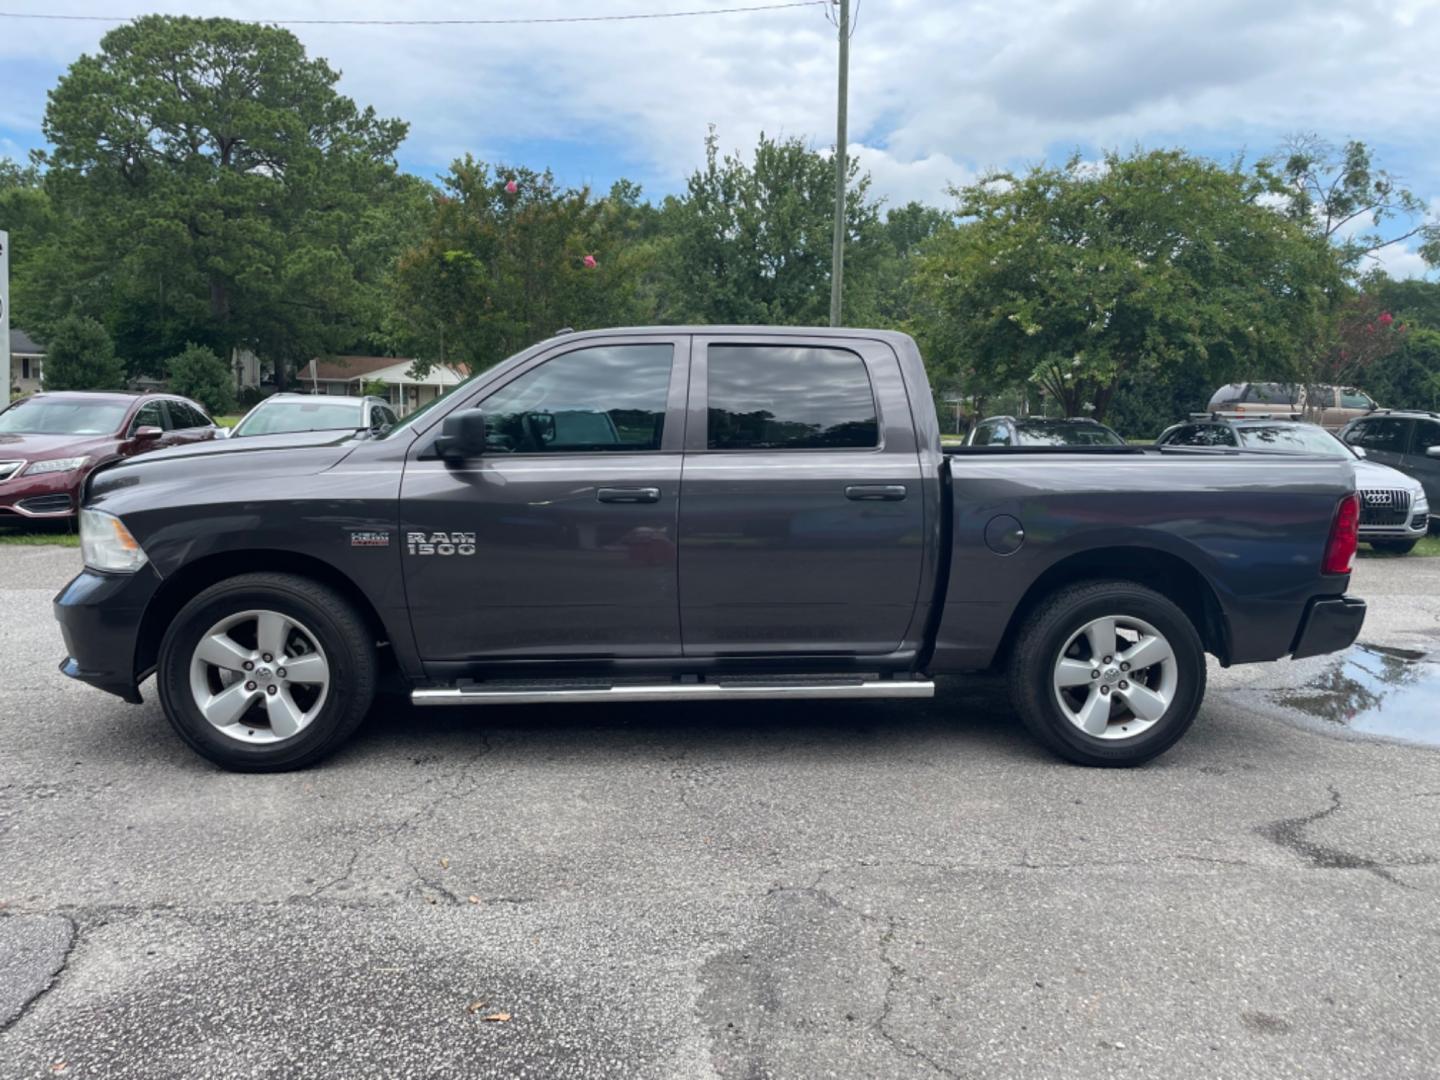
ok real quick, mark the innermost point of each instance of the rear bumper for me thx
(1329, 624)
(99, 616)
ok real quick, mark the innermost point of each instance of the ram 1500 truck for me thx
(695, 514)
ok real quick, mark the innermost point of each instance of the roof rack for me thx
(1220, 414)
(1407, 412)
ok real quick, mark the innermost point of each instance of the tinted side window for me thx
(1000, 436)
(183, 415)
(1380, 435)
(1353, 399)
(983, 434)
(1427, 434)
(1185, 436)
(611, 397)
(1202, 435)
(782, 397)
(149, 415)
(1276, 393)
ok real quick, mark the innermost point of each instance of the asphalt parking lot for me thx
(848, 890)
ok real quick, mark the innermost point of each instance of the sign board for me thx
(5, 383)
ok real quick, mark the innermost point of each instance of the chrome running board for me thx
(706, 691)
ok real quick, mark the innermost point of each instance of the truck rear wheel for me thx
(266, 672)
(1107, 673)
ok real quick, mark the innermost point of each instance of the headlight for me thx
(107, 545)
(63, 464)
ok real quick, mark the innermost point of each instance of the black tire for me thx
(1040, 646)
(1394, 547)
(347, 644)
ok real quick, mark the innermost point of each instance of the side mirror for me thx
(147, 433)
(462, 436)
(1432, 451)
(1359, 451)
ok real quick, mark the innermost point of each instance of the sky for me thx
(940, 90)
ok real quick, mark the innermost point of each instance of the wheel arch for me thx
(181, 586)
(1166, 573)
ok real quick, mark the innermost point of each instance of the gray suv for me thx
(1404, 439)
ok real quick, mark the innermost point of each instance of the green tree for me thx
(751, 240)
(1340, 193)
(199, 374)
(79, 355)
(222, 183)
(1082, 278)
(509, 258)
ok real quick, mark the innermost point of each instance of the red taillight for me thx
(1344, 536)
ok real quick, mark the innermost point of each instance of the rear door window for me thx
(786, 397)
(1279, 394)
(1427, 434)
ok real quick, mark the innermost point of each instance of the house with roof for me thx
(404, 390)
(27, 357)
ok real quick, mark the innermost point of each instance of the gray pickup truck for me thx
(695, 514)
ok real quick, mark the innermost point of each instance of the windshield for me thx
(1292, 439)
(1067, 435)
(56, 416)
(274, 418)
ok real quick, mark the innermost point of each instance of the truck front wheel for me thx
(266, 672)
(1107, 673)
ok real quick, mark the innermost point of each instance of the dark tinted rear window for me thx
(782, 397)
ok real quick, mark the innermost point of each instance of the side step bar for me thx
(711, 691)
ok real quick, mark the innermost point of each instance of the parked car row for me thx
(1396, 454)
(1395, 502)
(51, 441)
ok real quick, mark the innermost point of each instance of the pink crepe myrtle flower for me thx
(589, 262)
(1386, 318)
(511, 187)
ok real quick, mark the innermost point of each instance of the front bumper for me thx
(100, 616)
(49, 495)
(1330, 623)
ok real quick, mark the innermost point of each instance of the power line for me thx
(631, 17)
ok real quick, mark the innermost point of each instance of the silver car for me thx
(1394, 509)
(281, 413)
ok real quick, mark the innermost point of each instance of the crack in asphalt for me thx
(895, 977)
(1289, 833)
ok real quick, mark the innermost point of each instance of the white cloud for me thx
(939, 91)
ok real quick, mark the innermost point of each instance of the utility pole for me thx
(837, 252)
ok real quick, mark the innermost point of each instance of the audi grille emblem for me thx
(1378, 498)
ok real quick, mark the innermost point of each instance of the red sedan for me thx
(50, 442)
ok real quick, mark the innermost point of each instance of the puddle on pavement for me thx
(1376, 690)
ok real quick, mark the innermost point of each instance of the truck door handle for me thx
(627, 495)
(875, 492)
